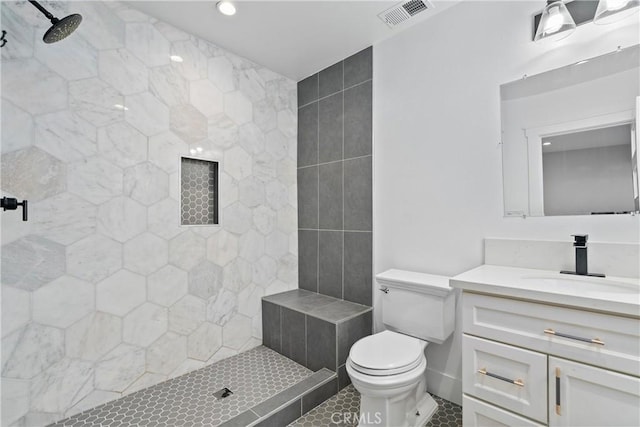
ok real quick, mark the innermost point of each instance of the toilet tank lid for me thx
(420, 282)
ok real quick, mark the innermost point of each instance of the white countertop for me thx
(611, 294)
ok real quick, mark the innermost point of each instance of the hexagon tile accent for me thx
(32, 174)
(32, 262)
(252, 376)
(108, 288)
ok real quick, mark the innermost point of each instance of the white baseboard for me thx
(444, 386)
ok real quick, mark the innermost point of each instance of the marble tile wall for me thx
(103, 291)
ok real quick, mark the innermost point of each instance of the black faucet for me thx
(580, 243)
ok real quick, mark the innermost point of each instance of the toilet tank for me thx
(417, 304)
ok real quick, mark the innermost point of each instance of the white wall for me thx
(437, 172)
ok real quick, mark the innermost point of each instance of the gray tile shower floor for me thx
(332, 413)
(188, 400)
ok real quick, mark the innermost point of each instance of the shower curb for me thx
(290, 404)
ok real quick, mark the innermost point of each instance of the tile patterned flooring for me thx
(253, 376)
(188, 400)
(347, 404)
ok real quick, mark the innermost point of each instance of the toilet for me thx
(388, 368)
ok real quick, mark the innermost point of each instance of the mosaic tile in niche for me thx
(199, 192)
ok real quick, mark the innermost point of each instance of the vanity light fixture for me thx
(559, 19)
(614, 10)
(556, 22)
(546, 143)
(226, 8)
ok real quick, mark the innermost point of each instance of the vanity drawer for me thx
(507, 376)
(480, 414)
(556, 330)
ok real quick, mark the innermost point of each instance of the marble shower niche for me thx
(199, 187)
(104, 292)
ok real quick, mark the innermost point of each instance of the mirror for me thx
(569, 138)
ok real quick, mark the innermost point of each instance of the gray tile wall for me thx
(314, 330)
(335, 180)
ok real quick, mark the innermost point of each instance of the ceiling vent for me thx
(403, 12)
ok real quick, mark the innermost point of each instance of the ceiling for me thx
(293, 38)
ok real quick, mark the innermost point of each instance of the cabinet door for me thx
(582, 395)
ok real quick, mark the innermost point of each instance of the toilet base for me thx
(426, 408)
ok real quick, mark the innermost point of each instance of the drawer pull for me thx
(573, 337)
(558, 407)
(517, 382)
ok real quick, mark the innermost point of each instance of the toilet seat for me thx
(386, 353)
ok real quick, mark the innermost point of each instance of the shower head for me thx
(61, 28)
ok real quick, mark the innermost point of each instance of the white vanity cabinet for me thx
(583, 395)
(529, 363)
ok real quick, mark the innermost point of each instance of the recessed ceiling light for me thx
(226, 8)
(176, 58)
(546, 143)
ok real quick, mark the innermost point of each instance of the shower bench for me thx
(314, 330)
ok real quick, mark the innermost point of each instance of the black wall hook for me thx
(11, 204)
(3, 38)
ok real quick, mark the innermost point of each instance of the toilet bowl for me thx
(388, 368)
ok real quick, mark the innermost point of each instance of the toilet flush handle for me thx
(385, 290)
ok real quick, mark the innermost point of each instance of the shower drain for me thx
(221, 394)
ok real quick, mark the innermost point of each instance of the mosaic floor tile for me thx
(448, 414)
(342, 410)
(189, 400)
